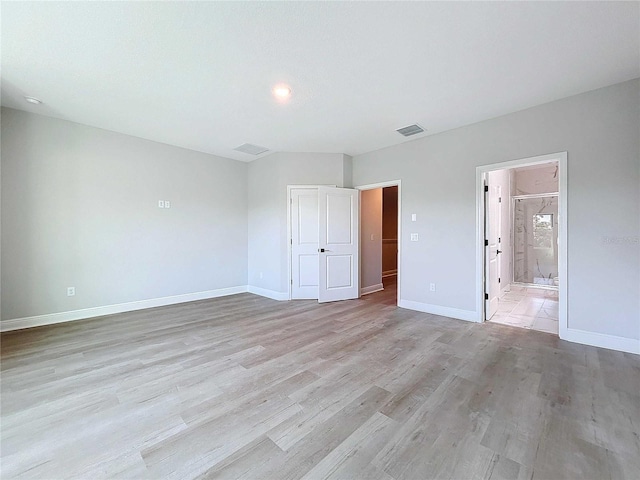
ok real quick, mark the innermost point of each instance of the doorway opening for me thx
(380, 240)
(522, 243)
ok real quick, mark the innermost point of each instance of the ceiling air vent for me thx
(251, 149)
(410, 130)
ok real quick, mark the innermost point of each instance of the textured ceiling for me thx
(199, 75)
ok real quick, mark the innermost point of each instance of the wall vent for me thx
(410, 130)
(251, 149)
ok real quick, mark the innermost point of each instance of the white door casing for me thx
(338, 246)
(304, 243)
(492, 250)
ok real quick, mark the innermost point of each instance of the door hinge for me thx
(498, 279)
(292, 281)
(499, 239)
(486, 242)
(486, 188)
(291, 240)
(486, 296)
(499, 199)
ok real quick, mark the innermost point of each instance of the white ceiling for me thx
(199, 75)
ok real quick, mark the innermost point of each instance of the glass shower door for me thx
(535, 242)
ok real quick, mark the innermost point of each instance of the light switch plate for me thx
(160, 203)
(413, 217)
(414, 237)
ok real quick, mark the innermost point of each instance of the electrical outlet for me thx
(432, 287)
(71, 291)
(160, 203)
(414, 237)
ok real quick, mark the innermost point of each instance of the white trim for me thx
(390, 273)
(621, 344)
(392, 183)
(468, 315)
(372, 289)
(61, 317)
(561, 158)
(289, 253)
(272, 294)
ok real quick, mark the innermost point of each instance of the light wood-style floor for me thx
(246, 387)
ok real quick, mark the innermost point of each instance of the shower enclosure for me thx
(535, 239)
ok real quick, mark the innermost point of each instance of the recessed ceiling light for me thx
(282, 91)
(33, 100)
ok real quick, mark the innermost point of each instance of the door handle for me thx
(498, 251)
(322, 250)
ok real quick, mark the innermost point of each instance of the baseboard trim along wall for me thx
(621, 344)
(272, 294)
(610, 342)
(372, 289)
(51, 318)
(467, 315)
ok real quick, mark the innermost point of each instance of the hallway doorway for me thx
(380, 240)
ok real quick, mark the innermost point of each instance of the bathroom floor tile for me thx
(529, 307)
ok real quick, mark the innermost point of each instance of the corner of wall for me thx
(347, 171)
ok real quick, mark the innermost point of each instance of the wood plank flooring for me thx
(250, 388)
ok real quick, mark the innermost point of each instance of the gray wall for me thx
(268, 180)
(370, 237)
(599, 130)
(80, 208)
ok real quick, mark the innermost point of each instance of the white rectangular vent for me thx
(251, 149)
(410, 130)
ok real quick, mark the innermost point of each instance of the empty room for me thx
(320, 240)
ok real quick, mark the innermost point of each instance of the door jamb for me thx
(561, 158)
(391, 183)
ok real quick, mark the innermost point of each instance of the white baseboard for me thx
(272, 294)
(440, 310)
(51, 318)
(371, 289)
(389, 273)
(621, 344)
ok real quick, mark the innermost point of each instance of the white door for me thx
(304, 243)
(338, 246)
(492, 249)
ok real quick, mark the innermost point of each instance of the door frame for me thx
(289, 252)
(481, 171)
(373, 186)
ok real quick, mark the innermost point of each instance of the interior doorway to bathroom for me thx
(522, 256)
